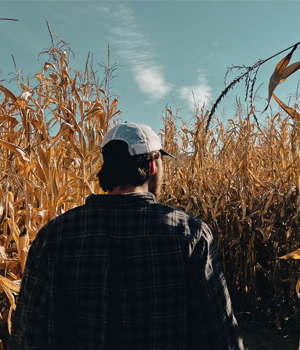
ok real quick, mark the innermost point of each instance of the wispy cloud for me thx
(199, 93)
(134, 45)
(151, 81)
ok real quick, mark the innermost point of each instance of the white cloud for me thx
(151, 82)
(200, 93)
(134, 45)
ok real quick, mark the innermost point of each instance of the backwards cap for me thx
(140, 138)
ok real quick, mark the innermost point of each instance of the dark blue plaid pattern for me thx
(127, 273)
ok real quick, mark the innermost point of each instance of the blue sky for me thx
(165, 49)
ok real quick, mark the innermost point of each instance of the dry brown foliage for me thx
(50, 138)
(244, 183)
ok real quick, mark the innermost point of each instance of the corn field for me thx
(244, 183)
(241, 180)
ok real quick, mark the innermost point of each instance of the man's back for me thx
(124, 272)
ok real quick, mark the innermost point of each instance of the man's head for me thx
(132, 156)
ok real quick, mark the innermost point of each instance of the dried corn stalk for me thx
(50, 138)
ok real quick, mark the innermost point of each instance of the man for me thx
(123, 271)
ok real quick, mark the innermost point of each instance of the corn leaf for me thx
(281, 73)
(290, 111)
(292, 255)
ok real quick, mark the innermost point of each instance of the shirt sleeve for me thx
(212, 322)
(30, 321)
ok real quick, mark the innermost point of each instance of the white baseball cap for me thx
(140, 138)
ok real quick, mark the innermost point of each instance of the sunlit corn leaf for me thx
(290, 111)
(243, 205)
(3, 255)
(40, 78)
(113, 106)
(82, 144)
(24, 156)
(71, 115)
(44, 161)
(298, 287)
(65, 128)
(37, 164)
(289, 231)
(41, 217)
(11, 285)
(77, 150)
(8, 93)
(62, 192)
(23, 253)
(266, 207)
(25, 96)
(281, 72)
(12, 120)
(11, 309)
(20, 152)
(49, 64)
(292, 255)
(62, 61)
(91, 137)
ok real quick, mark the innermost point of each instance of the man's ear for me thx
(152, 166)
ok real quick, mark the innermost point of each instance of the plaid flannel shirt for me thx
(124, 272)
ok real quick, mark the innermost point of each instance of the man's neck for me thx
(130, 189)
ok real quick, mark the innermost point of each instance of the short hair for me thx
(126, 170)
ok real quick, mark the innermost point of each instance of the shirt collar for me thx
(120, 199)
